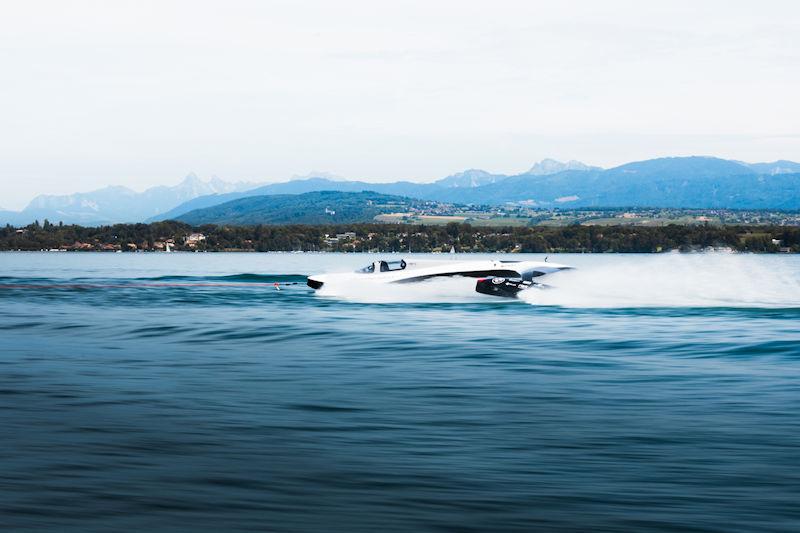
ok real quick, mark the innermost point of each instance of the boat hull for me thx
(495, 277)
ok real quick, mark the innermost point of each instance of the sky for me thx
(140, 93)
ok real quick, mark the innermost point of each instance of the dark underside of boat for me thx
(504, 287)
(470, 274)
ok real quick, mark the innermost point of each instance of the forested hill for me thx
(320, 207)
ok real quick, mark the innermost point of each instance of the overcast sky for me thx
(140, 93)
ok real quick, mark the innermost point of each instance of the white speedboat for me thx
(494, 277)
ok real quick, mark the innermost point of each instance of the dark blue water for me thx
(183, 392)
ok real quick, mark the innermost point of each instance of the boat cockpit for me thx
(383, 266)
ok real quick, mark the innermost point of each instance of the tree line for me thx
(372, 237)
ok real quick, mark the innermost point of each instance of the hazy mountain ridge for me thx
(776, 167)
(545, 167)
(697, 181)
(120, 204)
(473, 177)
(680, 182)
(688, 182)
(470, 178)
(117, 203)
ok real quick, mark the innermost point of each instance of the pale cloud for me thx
(140, 93)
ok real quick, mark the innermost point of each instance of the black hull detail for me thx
(471, 274)
(503, 287)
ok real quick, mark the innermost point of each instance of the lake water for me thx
(184, 392)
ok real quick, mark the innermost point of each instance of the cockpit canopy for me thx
(383, 266)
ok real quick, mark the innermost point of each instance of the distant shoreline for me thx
(161, 237)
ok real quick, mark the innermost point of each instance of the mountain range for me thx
(676, 182)
(673, 182)
(117, 204)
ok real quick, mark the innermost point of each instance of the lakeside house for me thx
(193, 239)
(340, 237)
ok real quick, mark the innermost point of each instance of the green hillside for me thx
(319, 207)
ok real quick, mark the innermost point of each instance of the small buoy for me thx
(277, 286)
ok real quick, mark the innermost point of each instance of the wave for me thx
(711, 280)
(245, 277)
(9, 284)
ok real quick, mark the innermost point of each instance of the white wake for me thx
(623, 281)
(677, 280)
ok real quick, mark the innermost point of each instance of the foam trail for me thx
(676, 280)
(620, 281)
